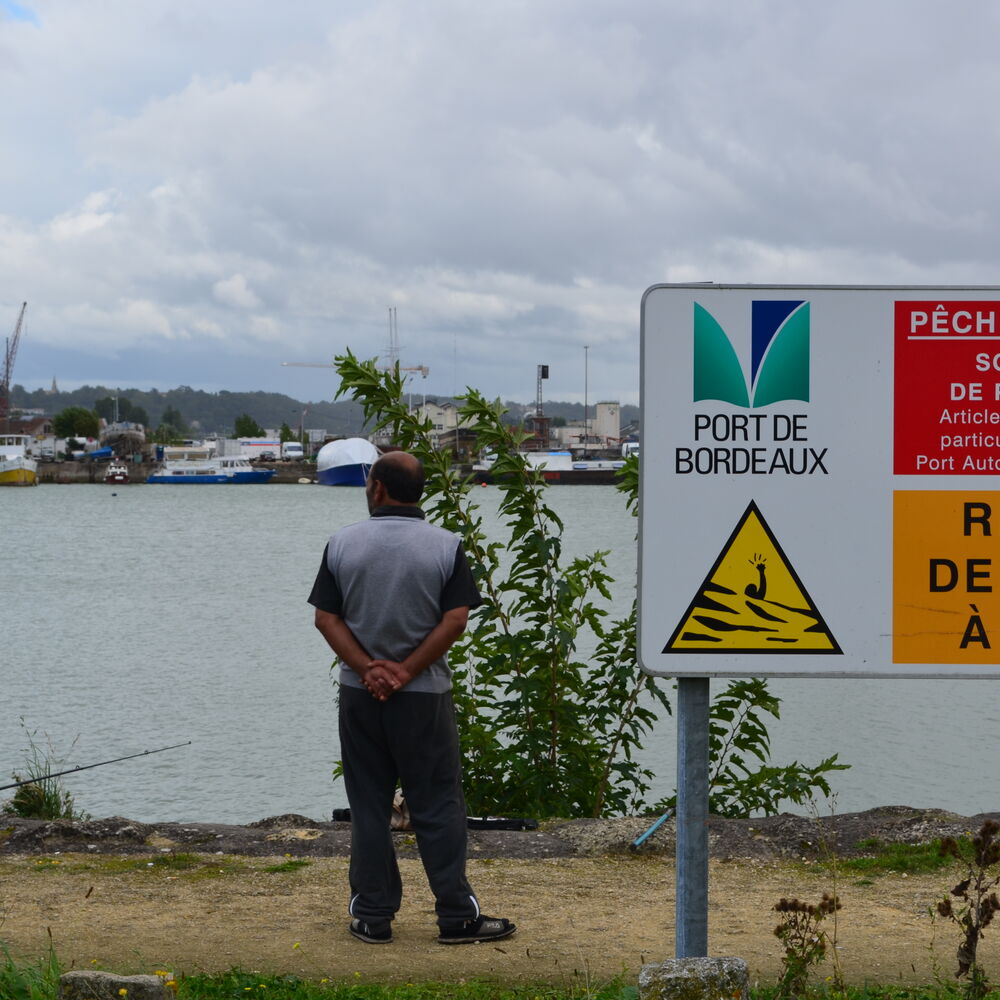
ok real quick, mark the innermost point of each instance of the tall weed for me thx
(973, 903)
(41, 796)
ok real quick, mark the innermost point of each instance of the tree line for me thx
(202, 413)
(206, 413)
(76, 422)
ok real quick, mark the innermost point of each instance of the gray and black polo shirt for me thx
(390, 579)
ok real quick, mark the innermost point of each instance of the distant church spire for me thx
(54, 388)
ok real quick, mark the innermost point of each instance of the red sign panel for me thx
(947, 388)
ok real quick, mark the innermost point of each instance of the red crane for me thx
(8, 370)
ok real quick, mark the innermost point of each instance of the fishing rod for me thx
(87, 767)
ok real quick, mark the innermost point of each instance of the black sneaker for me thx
(481, 929)
(372, 933)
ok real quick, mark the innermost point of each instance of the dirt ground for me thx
(134, 898)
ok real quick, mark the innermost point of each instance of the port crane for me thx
(392, 362)
(10, 353)
(423, 369)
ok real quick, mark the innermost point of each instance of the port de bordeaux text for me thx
(756, 444)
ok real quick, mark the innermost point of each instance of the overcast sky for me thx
(193, 193)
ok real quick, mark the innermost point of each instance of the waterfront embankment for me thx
(65, 473)
(205, 898)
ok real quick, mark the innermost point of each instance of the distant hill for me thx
(216, 412)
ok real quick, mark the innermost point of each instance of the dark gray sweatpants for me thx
(411, 737)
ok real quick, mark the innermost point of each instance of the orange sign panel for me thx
(944, 604)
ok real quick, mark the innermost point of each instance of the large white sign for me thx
(818, 481)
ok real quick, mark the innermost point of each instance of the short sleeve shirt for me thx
(391, 578)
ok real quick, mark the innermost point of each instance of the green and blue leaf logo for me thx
(779, 356)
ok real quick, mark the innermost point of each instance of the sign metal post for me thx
(691, 936)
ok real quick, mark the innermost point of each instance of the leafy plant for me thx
(804, 939)
(741, 779)
(977, 892)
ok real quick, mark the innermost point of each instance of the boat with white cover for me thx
(346, 462)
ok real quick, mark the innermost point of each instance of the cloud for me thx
(266, 183)
(235, 291)
(91, 215)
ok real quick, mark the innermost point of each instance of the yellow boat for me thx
(16, 467)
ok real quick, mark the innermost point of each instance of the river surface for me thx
(134, 617)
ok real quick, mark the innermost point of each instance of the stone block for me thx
(695, 979)
(87, 984)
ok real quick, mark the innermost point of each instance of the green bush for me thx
(544, 731)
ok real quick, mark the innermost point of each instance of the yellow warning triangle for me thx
(752, 601)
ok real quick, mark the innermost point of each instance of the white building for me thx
(601, 432)
(444, 418)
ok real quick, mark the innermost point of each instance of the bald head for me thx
(402, 475)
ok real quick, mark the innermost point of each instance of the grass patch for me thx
(40, 981)
(913, 859)
(29, 980)
(292, 865)
(245, 984)
(242, 984)
(175, 862)
(875, 991)
(216, 868)
(184, 865)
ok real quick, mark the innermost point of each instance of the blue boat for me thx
(211, 470)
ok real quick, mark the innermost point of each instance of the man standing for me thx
(392, 595)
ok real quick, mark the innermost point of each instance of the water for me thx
(135, 617)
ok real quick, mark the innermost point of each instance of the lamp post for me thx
(586, 409)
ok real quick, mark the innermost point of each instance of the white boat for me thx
(16, 467)
(227, 469)
(345, 463)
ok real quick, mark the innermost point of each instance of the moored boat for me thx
(345, 463)
(17, 468)
(212, 470)
(116, 472)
